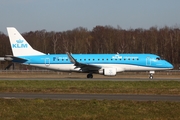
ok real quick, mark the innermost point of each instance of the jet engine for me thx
(108, 71)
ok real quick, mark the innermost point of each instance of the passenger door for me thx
(148, 61)
(47, 62)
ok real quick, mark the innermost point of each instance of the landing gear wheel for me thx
(150, 77)
(89, 75)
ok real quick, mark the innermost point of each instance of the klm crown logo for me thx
(19, 41)
(19, 44)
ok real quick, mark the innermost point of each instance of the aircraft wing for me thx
(84, 67)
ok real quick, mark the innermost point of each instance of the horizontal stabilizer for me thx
(12, 58)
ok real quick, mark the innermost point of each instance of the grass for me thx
(46, 109)
(54, 86)
(25, 109)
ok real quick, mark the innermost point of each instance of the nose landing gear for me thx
(151, 74)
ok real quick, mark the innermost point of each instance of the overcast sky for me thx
(62, 15)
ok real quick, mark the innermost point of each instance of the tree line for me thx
(164, 42)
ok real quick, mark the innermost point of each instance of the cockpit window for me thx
(158, 58)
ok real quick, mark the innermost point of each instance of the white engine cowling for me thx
(108, 71)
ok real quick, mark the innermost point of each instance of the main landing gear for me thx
(151, 74)
(90, 75)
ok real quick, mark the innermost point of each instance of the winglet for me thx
(82, 65)
(71, 58)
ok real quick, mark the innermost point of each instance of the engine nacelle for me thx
(108, 71)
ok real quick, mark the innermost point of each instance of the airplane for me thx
(105, 64)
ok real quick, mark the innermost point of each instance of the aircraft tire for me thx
(89, 75)
(150, 77)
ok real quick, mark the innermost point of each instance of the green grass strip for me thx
(41, 109)
(54, 86)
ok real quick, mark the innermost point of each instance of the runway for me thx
(174, 98)
(97, 79)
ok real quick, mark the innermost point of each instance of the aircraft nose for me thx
(169, 65)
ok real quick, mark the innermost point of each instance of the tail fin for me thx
(20, 47)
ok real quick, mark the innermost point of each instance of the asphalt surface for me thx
(174, 98)
(97, 79)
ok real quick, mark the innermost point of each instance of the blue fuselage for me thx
(135, 61)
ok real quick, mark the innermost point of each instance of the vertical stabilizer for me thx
(20, 47)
